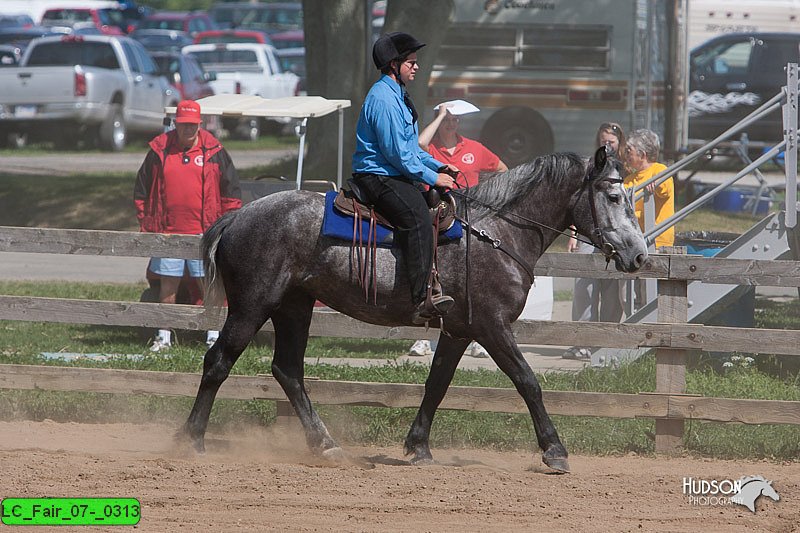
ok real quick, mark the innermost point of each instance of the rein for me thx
(606, 248)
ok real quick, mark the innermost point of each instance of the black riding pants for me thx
(402, 203)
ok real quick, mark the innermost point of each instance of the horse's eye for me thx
(615, 198)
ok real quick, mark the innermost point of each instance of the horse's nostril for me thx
(639, 260)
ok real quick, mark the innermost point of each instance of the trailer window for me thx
(540, 47)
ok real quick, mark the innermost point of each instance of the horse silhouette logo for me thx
(751, 488)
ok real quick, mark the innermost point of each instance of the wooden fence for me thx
(672, 338)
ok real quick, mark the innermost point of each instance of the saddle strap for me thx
(433, 277)
(365, 255)
(373, 248)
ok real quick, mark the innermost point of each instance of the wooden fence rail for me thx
(672, 338)
(402, 395)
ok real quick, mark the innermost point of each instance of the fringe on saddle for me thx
(363, 250)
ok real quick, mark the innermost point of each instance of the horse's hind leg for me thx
(292, 320)
(445, 361)
(237, 332)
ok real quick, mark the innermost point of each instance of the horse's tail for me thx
(214, 289)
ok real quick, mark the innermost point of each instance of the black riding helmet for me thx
(393, 46)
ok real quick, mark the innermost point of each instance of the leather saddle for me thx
(353, 202)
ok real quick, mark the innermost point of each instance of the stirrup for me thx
(439, 306)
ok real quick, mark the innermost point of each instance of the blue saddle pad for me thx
(340, 226)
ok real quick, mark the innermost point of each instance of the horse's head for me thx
(769, 492)
(601, 211)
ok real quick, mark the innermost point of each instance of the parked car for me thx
(288, 39)
(190, 22)
(10, 55)
(8, 20)
(272, 17)
(294, 60)
(185, 73)
(731, 75)
(22, 36)
(107, 21)
(232, 36)
(162, 40)
(246, 68)
(96, 88)
(134, 14)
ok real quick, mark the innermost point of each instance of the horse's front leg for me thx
(501, 346)
(445, 361)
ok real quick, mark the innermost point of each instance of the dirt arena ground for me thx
(258, 480)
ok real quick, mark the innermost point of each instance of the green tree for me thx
(339, 64)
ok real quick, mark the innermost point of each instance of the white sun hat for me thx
(458, 107)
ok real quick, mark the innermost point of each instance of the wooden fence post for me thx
(673, 307)
(285, 416)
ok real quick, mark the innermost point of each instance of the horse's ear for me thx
(600, 158)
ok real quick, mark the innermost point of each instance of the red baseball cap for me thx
(188, 112)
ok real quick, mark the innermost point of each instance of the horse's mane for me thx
(748, 479)
(500, 191)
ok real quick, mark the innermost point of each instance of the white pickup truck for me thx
(91, 88)
(245, 68)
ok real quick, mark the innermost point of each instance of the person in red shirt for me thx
(186, 182)
(441, 139)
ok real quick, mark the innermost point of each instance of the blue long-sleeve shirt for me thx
(387, 139)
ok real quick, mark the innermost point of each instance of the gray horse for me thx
(274, 263)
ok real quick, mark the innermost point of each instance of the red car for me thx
(185, 73)
(231, 36)
(191, 22)
(288, 39)
(106, 21)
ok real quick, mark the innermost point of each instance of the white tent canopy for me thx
(298, 107)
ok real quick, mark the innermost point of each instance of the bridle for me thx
(605, 247)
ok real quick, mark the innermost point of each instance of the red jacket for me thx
(221, 192)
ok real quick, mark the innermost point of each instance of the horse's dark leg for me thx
(445, 361)
(292, 320)
(504, 350)
(237, 332)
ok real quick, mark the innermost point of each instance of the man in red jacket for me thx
(187, 181)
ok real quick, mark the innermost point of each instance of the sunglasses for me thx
(411, 63)
(613, 127)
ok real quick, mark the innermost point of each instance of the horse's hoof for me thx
(199, 447)
(559, 464)
(422, 461)
(336, 454)
(184, 436)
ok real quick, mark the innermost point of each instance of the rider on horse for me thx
(389, 167)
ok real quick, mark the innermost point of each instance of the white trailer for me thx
(711, 18)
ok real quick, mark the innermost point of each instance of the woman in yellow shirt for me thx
(641, 152)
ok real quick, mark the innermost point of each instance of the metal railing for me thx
(787, 98)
